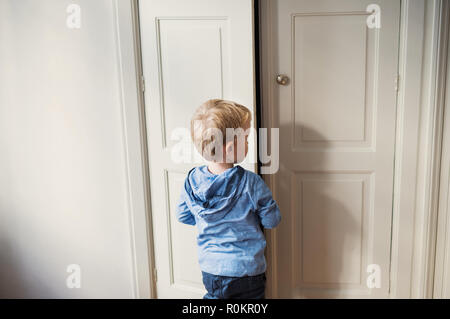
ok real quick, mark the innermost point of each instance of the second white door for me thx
(336, 116)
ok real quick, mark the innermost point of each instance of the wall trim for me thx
(440, 281)
(129, 66)
(442, 261)
(439, 79)
(430, 139)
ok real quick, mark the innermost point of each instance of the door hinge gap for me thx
(142, 83)
(396, 82)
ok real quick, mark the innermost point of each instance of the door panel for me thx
(192, 51)
(337, 120)
(330, 56)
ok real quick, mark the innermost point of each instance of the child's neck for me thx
(219, 168)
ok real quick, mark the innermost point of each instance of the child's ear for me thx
(229, 147)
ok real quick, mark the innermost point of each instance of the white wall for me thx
(62, 161)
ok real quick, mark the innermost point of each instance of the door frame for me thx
(418, 131)
(416, 178)
(129, 68)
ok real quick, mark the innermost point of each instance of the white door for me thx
(337, 122)
(192, 51)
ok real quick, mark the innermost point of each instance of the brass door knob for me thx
(282, 79)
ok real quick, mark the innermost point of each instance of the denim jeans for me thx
(224, 287)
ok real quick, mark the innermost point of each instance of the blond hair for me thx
(216, 114)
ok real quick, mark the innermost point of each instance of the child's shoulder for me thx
(252, 177)
(198, 170)
(238, 172)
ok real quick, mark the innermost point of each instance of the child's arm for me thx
(184, 215)
(266, 208)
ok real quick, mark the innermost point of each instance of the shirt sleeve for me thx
(266, 207)
(184, 215)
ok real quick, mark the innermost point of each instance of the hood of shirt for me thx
(211, 196)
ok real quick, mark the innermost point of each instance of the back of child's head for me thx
(216, 116)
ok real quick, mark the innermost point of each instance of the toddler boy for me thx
(227, 204)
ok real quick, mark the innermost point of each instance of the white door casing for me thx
(191, 51)
(337, 124)
(441, 278)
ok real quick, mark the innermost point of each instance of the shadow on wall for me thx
(12, 284)
(328, 227)
(20, 278)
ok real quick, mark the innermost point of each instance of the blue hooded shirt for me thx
(228, 209)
